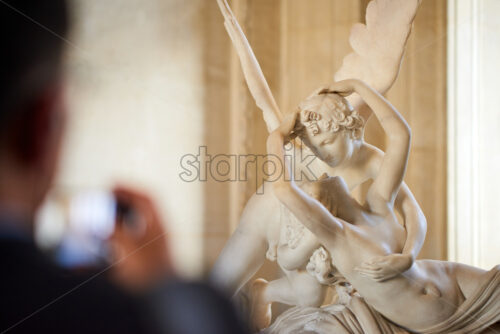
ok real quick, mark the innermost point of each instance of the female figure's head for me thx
(329, 126)
(331, 191)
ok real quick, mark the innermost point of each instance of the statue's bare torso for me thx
(435, 288)
(268, 223)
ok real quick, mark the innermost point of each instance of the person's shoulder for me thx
(38, 294)
(182, 301)
(189, 294)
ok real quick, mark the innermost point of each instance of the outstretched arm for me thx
(308, 210)
(389, 178)
(251, 69)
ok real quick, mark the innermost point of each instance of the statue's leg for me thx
(264, 294)
(307, 290)
(297, 288)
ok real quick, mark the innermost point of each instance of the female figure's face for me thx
(330, 191)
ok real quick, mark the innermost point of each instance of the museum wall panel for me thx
(420, 95)
(473, 135)
(136, 93)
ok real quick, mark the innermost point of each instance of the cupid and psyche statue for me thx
(320, 236)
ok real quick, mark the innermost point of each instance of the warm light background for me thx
(151, 81)
(136, 92)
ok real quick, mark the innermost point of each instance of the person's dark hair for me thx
(31, 51)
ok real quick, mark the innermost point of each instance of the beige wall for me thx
(137, 98)
(473, 118)
(420, 95)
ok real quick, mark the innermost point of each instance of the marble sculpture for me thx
(320, 236)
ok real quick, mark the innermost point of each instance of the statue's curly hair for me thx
(328, 111)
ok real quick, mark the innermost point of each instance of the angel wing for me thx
(251, 69)
(378, 46)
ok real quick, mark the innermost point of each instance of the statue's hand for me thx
(385, 267)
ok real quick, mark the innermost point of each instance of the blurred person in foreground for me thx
(37, 296)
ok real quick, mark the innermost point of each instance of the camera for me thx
(75, 226)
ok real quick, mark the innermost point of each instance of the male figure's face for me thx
(331, 147)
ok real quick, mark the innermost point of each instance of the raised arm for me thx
(308, 210)
(389, 178)
(414, 221)
(251, 69)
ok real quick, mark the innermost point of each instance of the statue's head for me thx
(329, 126)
